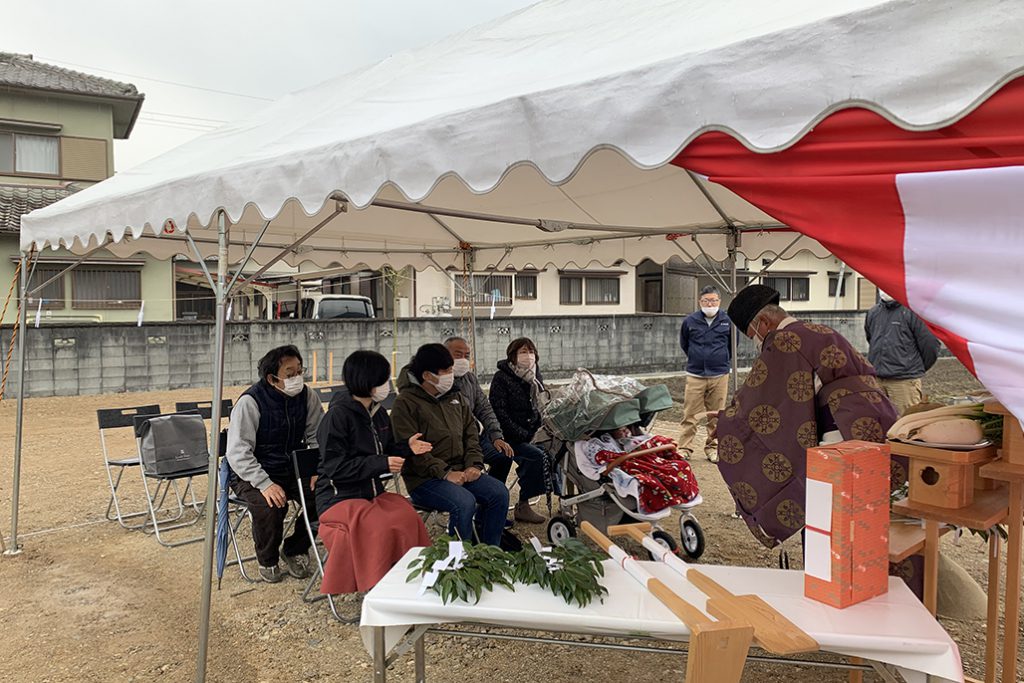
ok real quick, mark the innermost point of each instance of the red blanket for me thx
(365, 538)
(665, 478)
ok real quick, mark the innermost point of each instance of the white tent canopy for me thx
(558, 122)
(566, 112)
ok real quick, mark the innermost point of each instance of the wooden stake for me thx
(314, 368)
(717, 649)
(772, 631)
(330, 367)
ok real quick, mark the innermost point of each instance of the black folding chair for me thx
(111, 420)
(155, 525)
(205, 408)
(327, 393)
(305, 463)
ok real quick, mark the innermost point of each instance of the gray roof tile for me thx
(16, 200)
(22, 71)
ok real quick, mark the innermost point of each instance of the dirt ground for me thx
(88, 601)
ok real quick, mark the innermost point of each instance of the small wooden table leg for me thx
(1011, 629)
(931, 565)
(856, 675)
(992, 621)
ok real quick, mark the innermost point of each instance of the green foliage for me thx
(575, 579)
(483, 567)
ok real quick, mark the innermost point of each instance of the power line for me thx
(184, 116)
(157, 80)
(167, 124)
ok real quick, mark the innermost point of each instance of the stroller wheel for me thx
(665, 539)
(693, 538)
(560, 529)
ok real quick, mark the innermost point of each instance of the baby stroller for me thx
(588, 405)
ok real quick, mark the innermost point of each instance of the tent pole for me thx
(19, 420)
(213, 469)
(734, 243)
(472, 303)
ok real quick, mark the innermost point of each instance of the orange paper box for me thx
(846, 544)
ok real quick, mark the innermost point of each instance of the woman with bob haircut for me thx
(365, 529)
(450, 477)
(515, 395)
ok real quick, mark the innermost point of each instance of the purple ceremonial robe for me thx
(763, 435)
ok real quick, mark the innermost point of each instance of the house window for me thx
(496, 287)
(570, 291)
(113, 287)
(833, 284)
(791, 288)
(526, 287)
(53, 293)
(32, 154)
(602, 290)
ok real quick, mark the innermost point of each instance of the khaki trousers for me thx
(703, 394)
(902, 392)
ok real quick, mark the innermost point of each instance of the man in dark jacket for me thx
(450, 477)
(497, 452)
(275, 416)
(902, 349)
(705, 339)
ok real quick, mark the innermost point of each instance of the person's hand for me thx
(417, 446)
(457, 478)
(312, 482)
(504, 448)
(713, 434)
(395, 464)
(275, 496)
(471, 474)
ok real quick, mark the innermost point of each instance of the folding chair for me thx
(305, 463)
(110, 419)
(155, 526)
(327, 393)
(205, 408)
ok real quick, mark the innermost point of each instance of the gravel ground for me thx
(88, 601)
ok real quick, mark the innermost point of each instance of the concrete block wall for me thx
(114, 358)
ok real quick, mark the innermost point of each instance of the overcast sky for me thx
(258, 48)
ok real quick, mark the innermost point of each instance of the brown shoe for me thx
(525, 513)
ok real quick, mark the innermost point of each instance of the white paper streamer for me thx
(39, 311)
(142, 308)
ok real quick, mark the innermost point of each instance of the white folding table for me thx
(890, 633)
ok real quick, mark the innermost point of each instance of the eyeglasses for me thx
(710, 302)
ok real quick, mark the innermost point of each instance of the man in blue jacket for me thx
(705, 339)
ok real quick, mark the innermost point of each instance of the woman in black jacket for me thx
(515, 396)
(365, 529)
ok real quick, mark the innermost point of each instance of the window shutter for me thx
(84, 159)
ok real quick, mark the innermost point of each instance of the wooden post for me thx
(314, 368)
(330, 367)
(931, 565)
(1011, 625)
(992, 622)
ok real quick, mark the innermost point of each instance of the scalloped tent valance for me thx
(566, 114)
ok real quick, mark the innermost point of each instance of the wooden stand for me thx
(941, 477)
(1002, 505)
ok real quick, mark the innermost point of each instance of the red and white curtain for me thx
(934, 218)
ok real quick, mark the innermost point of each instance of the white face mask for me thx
(461, 367)
(709, 311)
(293, 385)
(526, 361)
(444, 383)
(380, 393)
(758, 340)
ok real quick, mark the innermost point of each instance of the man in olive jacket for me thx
(450, 477)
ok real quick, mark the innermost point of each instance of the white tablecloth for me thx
(894, 628)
